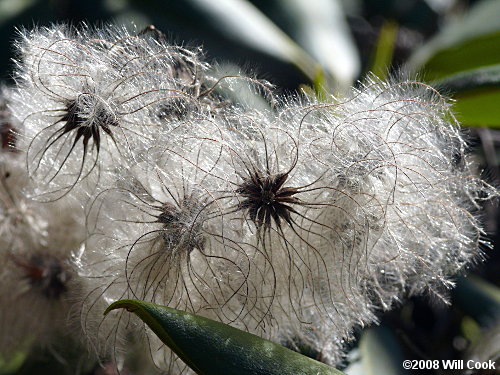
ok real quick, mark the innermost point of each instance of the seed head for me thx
(266, 199)
(46, 272)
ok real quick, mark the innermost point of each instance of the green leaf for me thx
(13, 364)
(465, 44)
(384, 50)
(488, 77)
(477, 93)
(214, 348)
(479, 108)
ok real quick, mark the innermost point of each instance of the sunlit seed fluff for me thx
(81, 109)
(366, 200)
(161, 239)
(87, 97)
(67, 110)
(191, 87)
(36, 245)
(296, 222)
(399, 165)
(279, 195)
(172, 78)
(8, 123)
(102, 283)
(263, 195)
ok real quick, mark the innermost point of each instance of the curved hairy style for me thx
(396, 147)
(296, 222)
(159, 239)
(102, 283)
(87, 98)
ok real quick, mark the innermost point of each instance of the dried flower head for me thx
(45, 272)
(90, 98)
(37, 278)
(160, 239)
(297, 221)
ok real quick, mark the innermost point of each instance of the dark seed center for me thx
(182, 225)
(47, 273)
(268, 197)
(266, 200)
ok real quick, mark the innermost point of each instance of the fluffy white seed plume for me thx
(170, 240)
(170, 81)
(36, 245)
(296, 222)
(86, 98)
(331, 211)
(8, 123)
(67, 108)
(396, 150)
(279, 194)
(90, 101)
(260, 266)
(352, 206)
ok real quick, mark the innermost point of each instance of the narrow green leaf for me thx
(477, 94)
(478, 52)
(214, 348)
(488, 77)
(384, 50)
(479, 108)
(467, 43)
